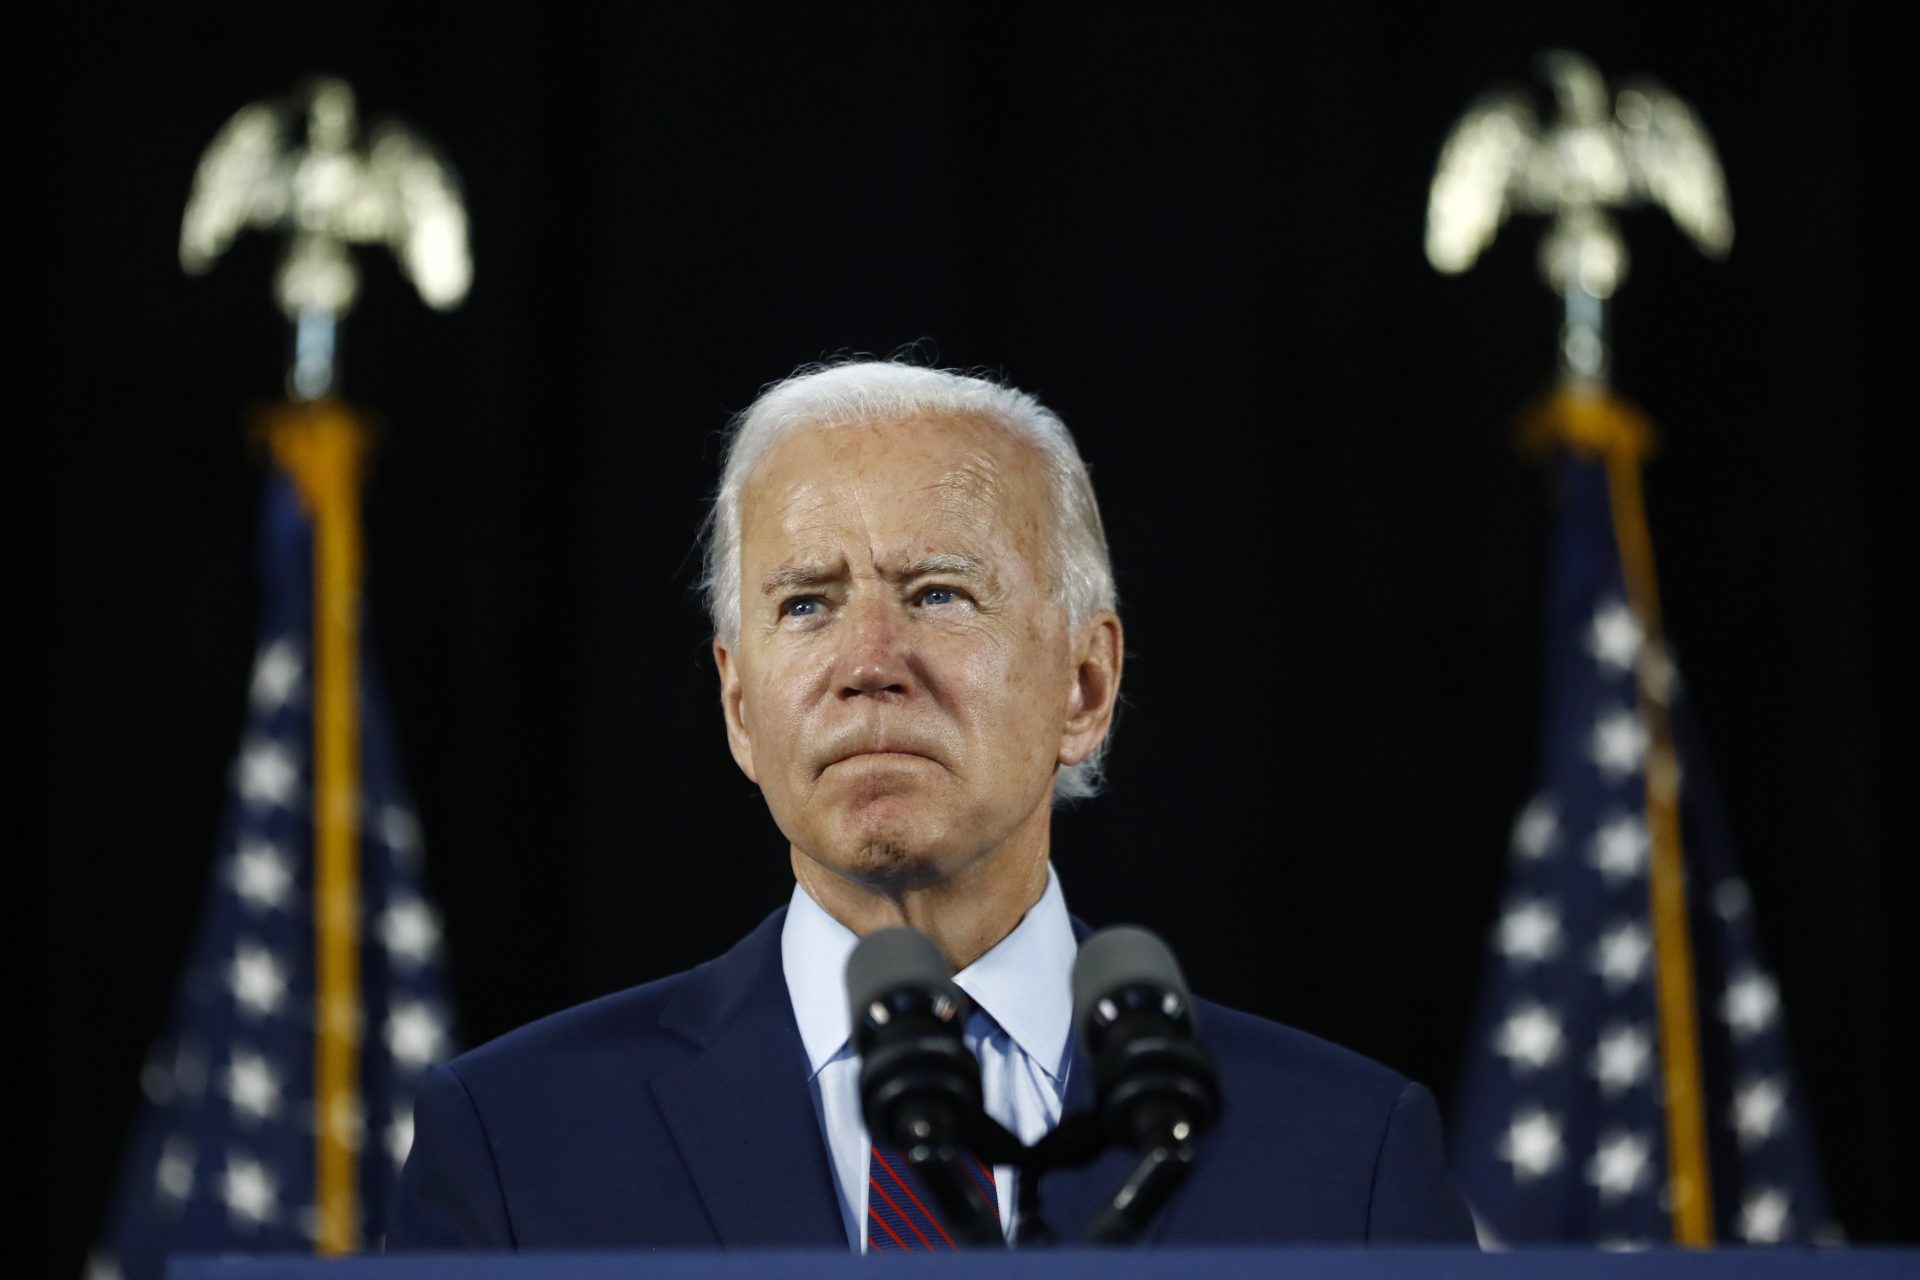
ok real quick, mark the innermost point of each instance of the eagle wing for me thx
(424, 219)
(1674, 163)
(240, 182)
(1473, 183)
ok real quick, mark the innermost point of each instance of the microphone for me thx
(1154, 1084)
(919, 1084)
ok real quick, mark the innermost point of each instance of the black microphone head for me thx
(1153, 1080)
(1116, 959)
(889, 959)
(918, 1081)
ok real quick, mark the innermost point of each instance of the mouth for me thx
(881, 756)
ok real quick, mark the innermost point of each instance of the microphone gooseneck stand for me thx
(920, 1086)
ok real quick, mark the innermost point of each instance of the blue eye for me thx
(802, 607)
(937, 595)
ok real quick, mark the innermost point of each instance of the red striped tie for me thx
(901, 1216)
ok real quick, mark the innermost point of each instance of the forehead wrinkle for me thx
(976, 477)
(823, 513)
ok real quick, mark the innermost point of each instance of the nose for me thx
(875, 659)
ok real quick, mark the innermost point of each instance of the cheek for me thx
(1016, 684)
(776, 707)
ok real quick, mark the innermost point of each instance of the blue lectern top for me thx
(1086, 1264)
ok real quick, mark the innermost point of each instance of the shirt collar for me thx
(1025, 982)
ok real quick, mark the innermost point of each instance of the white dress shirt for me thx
(1024, 984)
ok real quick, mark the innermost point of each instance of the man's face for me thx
(903, 684)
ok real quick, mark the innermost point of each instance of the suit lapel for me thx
(742, 1117)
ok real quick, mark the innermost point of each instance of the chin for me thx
(888, 863)
(890, 851)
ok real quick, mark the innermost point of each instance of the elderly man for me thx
(918, 651)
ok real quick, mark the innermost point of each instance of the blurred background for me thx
(1198, 237)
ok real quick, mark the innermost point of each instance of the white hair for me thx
(1077, 562)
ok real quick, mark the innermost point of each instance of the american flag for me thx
(1559, 1131)
(222, 1158)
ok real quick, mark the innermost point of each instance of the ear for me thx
(1095, 690)
(733, 709)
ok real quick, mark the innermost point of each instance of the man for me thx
(918, 651)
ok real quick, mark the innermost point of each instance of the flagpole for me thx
(322, 445)
(400, 194)
(1604, 152)
(1583, 415)
(219, 1170)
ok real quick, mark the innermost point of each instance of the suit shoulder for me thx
(640, 1029)
(624, 1020)
(1279, 1056)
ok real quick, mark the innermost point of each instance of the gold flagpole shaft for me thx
(1587, 418)
(322, 445)
(1687, 1177)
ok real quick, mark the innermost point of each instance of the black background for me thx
(1197, 236)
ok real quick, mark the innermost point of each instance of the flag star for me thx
(400, 1135)
(256, 980)
(415, 1036)
(1529, 1038)
(1621, 955)
(156, 1081)
(1766, 1216)
(400, 832)
(248, 1190)
(1731, 901)
(1531, 1144)
(1535, 831)
(1621, 1244)
(1623, 1058)
(1759, 1105)
(173, 1176)
(276, 674)
(1619, 1165)
(410, 931)
(1751, 1004)
(1618, 744)
(267, 774)
(262, 875)
(1614, 636)
(1619, 849)
(189, 1071)
(252, 1086)
(1529, 933)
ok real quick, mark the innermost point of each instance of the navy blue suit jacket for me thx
(678, 1115)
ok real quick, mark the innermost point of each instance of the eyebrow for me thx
(799, 577)
(796, 577)
(955, 563)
